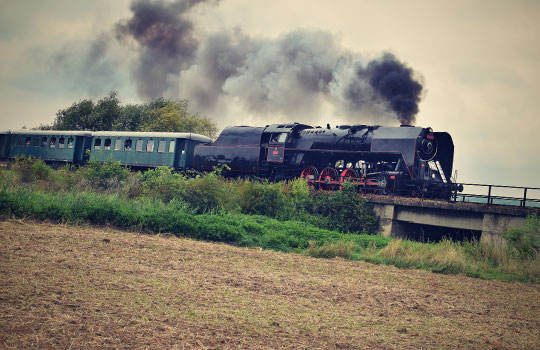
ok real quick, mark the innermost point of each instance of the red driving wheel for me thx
(347, 175)
(310, 174)
(329, 178)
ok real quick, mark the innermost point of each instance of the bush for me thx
(345, 210)
(31, 169)
(105, 175)
(266, 199)
(161, 183)
(210, 194)
(526, 239)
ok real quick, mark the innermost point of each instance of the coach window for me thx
(171, 146)
(13, 141)
(52, 144)
(36, 141)
(107, 144)
(138, 145)
(127, 145)
(28, 141)
(44, 141)
(61, 142)
(97, 144)
(161, 146)
(21, 140)
(150, 146)
(118, 145)
(70, 142)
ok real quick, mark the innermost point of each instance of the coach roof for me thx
(170, 135)
(48, 132)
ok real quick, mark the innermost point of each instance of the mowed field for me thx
(72, 287)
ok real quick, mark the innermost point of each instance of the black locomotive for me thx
(406, 160)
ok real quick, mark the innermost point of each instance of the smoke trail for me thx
(166, 42)
(293, 74)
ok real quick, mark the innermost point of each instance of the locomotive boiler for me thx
(406, 160)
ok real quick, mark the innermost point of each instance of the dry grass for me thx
(445, 253)
(85, 288)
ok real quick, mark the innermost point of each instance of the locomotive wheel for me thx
(310, 174)
(329, 178)
(347, 175)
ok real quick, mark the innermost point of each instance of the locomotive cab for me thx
(275, 140)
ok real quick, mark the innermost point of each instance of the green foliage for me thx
(300, 190)
(174, 116)
(108, 114)
(87, 115)
(209, 194)
(526, 239)
(161, 183)
(345, 210)
(105, 175)
(31, 169)
(265, 199)
(130, 118)
(156, 216)
(76, 117)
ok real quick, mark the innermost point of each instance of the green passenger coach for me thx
(146, 149)
(49, 145)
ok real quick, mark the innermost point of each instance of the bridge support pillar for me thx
(389, 226)
(495, 225)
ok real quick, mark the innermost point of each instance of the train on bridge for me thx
(406, 160)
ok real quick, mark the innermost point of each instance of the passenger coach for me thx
(146, 149)
(54, 146)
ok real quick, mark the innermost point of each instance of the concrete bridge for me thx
(430, 219)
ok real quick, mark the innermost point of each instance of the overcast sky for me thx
(478, 62)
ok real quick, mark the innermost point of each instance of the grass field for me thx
(74, 287)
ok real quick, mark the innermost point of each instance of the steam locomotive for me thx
(405, 160)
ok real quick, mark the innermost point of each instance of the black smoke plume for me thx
(165, 38)
(295, 74)
(394, 81)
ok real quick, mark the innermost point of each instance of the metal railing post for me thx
(489, 194)
(524, 196)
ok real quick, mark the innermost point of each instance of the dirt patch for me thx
(79, 287)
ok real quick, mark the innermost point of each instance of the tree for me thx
(174, 117)
(105, 112)
(133, 116)
(76, 117)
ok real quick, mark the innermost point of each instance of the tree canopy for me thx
(174, 116)
(108, 114)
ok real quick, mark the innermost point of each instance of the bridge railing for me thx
(499, 194)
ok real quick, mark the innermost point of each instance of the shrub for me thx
(527, 238)
(105, 175)
(31, 169)
(210, 194)
(346, 211)
(161, 183)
